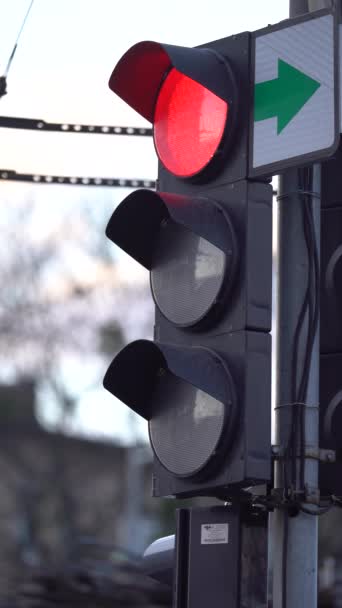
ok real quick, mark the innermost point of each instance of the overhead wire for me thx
(3, 78)
(9, 62)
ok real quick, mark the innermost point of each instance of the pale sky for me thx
(65, 56)
(60, 72)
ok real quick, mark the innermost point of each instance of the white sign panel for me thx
(295, 115)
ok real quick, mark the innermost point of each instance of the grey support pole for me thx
(294, 540)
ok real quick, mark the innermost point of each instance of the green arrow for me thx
(284, 96)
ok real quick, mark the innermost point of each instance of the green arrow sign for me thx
(284, 96)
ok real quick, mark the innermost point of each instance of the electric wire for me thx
(291, 450)
(307, 318)
(313, 315)
(297, 405)
(309, 311)
(284, 558)
(314, 303)
(313, 326)
(298, 417)
(17, 40)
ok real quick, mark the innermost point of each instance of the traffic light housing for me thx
(204, 384)
(330, 427)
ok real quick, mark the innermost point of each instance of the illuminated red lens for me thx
(189, 122)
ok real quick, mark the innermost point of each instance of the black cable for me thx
(294, 421)
(291, 452)
(314, 279)
(297, 404)
(3, 78)
(312, 329)
(284, 560)
(311, 304)
(313, 315)
(310, 311)
(291, 448)
(17, 40)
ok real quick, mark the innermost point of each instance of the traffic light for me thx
(198, 101)
(205, 235)
(330, 477)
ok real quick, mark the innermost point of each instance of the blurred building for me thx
(60, 495)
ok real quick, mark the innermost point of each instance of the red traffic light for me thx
(187, 117)
(190, 97)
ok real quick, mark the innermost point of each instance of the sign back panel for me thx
(295, 110)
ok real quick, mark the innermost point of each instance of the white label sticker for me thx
(214, 534)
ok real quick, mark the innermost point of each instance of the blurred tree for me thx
(63, 294)
(112, 338)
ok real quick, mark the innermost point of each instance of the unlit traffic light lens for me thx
(187, 275)
(186, 427)
(189, 122)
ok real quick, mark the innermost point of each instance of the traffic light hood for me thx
(138, 75)
(133, 374)
(136, 223)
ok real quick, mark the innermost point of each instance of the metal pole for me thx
(295, 539)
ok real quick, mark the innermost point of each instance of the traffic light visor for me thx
(190, 97)
(189, 246)
(186, 394)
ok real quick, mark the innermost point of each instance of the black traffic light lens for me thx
(187, 275)
(186, 427)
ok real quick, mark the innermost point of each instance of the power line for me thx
(3, 78)
(17, 40)
(9, 175)
(37, 124)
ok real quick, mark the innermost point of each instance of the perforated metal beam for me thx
(9, 175)
(36, 124)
